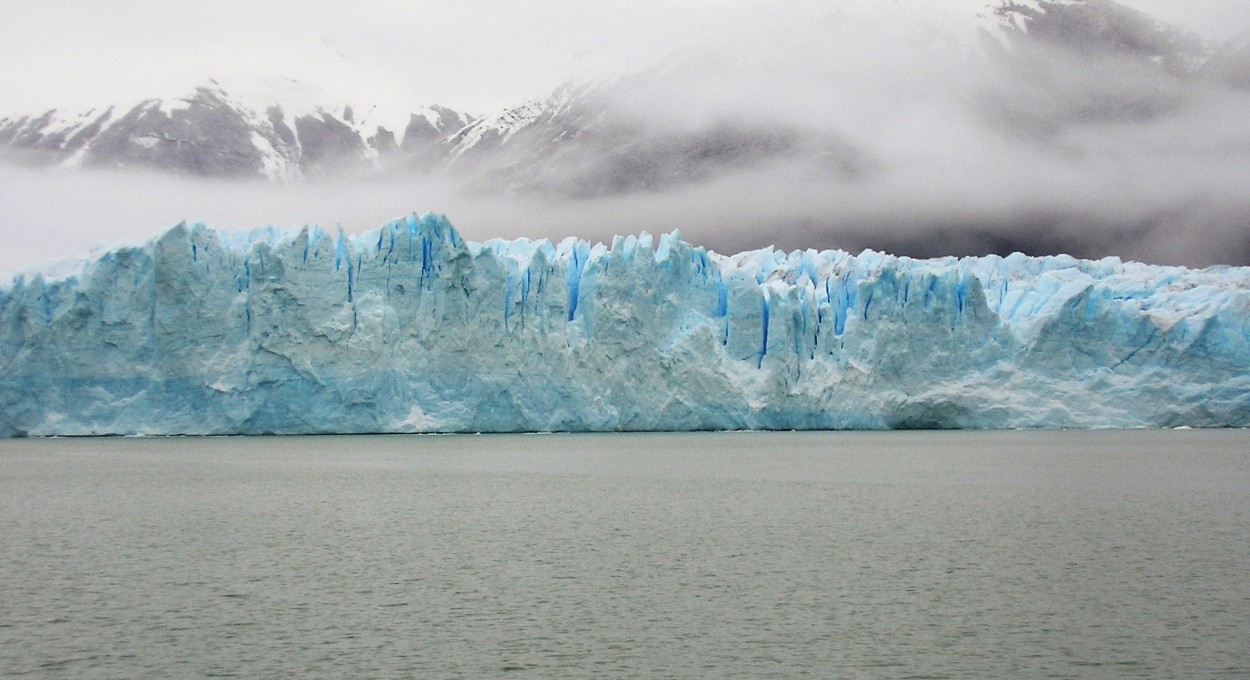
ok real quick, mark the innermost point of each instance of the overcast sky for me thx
(1174, 189)
(473, 54)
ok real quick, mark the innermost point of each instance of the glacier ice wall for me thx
(409, 328)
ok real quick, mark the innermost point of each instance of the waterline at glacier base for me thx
(409, 328)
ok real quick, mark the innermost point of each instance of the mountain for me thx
(1044, 126)
(632, 134)
(656, 128)
(578, 142)
(277, 129)
(694, 115)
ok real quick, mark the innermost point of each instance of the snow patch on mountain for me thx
(240, 125)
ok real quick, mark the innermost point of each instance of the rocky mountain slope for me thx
(280, 133)
(631, 133)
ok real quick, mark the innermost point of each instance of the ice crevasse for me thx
(410, 328)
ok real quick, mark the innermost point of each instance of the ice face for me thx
(409, 328)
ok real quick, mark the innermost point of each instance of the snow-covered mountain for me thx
(1044, 126)
(579, 141)
(627, 135)
(658, 127)
(275, 128)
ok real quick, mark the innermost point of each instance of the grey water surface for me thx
(823, 555)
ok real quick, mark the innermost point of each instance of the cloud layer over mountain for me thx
(1078, 126)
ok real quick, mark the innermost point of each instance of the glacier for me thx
(410, 328)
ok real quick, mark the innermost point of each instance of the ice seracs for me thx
(410, 328)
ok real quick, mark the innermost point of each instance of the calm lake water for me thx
(891, 555)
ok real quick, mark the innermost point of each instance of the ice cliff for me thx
(410, 328)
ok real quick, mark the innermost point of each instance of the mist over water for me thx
(1086, 128)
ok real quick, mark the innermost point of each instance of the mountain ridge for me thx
(1048, 126)
(655, 127)
(280, 134)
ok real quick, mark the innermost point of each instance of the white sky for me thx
(470, 54)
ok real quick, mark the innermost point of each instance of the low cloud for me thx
(898, 129)
(1084, 127)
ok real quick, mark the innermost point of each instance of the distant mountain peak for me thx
(272, 127)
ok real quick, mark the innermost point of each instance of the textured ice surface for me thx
(409, 328)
